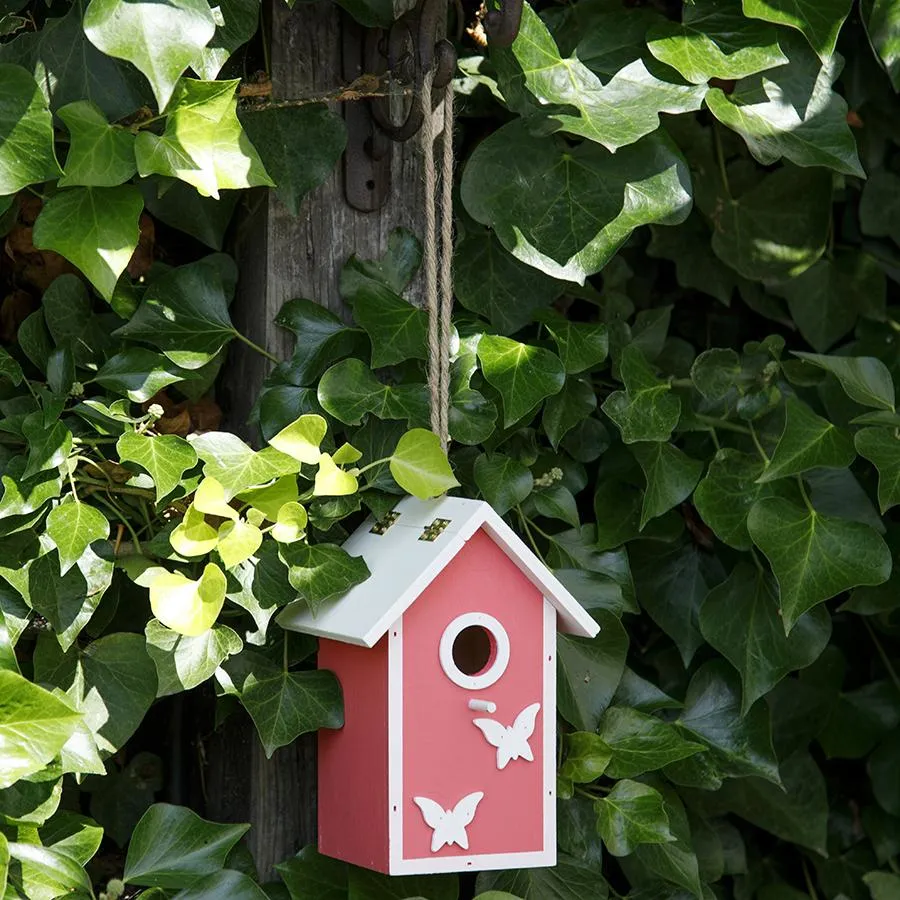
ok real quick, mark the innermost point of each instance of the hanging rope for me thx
(438, 256)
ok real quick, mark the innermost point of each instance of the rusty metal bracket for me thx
(411, 47)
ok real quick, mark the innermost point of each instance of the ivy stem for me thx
(722, 423)
(524, 520)
(805, 496)
(371, 465)
(285, 654)
(759, 446)
(881, 652)
(257, 348)
(809, 885)
(117, 488)
(759, 565)
(105, 501)
(720, 158)
(681, 382)
(74, 489)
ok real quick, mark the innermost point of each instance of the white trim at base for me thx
(537, 859)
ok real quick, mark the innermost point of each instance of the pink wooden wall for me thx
(445, 756)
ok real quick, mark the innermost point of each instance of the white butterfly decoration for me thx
(511, 741)
(449, 824)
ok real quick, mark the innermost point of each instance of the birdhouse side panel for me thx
(353, 760)
(474, 780)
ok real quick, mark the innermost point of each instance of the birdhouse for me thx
(447, 658)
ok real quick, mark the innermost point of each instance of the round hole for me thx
(370, 184)
(473, 649)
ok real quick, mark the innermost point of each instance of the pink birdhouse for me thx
(447, 660)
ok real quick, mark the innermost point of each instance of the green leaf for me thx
(819, 20)
(646, 410)
(299, 147)
(792, 112)
(311, 876)
(581, 345)
(237, 541)
(173, 847)
(184, 662)
(48, 445)
(714, 40)
(301, 439)
(34, 726)
(494, 284)
(503, 481)
(193, 536)
(740, 741)
(864, 378)
(287, 704)
(589, 670)
(241, 20)
(95, 228)
(321, 338)
(290, 523)
(396, 328)
(524, 375)
(203, 143)
(740, 619)
(778, 229)
(139, 374)
(641, 743)
(567, 210)
(43, 873)
(883, 885)
(882, 448)
(100, 155)
(631, 814)
(798, 812)
(815, 557)
(883, 772)
(187, 606)
(161, 41)
(165, 457)
(236, 466)
(807, 442)
(826, 299)
(670, 474)
(26, 154)
(420, 466)
(563, 411)
(73, 526)
(227, 883)
(322, 572)
(882, 23)
(570, 879)
(349, 390)
(614, 114)
(587, 757)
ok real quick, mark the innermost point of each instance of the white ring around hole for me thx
(501, 651)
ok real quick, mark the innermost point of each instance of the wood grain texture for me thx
(282, 257)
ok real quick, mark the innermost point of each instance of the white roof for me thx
(402, 566)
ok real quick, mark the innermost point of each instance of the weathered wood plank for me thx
(280, 258)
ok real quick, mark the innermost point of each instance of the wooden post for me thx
(282, 257)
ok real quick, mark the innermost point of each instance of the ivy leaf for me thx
(173, 847)
(494, 284)
(570, 879)
(740, 742)
(237, 467)
(815, 557)
(614, 114)
(241, 19)
(563, 411)
(288, 704)
(503, 481)
(203, 143)
(807, 442)
(139, 373)
(630, 814)
(166, 457)
(567, 210)
(882, 449)
(777, 230)
(819, 20)
(237, 541)
(322, 572)
(420, 466)
(581, 345)
(100, 155)
(112, 681)
(587, 757)
(34, 726)
(524, 375)
(796, 812)
(792, 112)
(646, 410)
(882, 885)
(589, 671)
(187, 606)
(864, 379)
(95, 228)
(739, 618)
(73, 526)
(641, 743)
(26, 154)
(48, 447)
(349, 390)
(301, 439)
(332, 481)
(396, 328)
(671, 477)
(160, 40)
(714, 40)
(184, 662)
(826, 299)
(299, 147)
(881, 21)
(45, 872)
